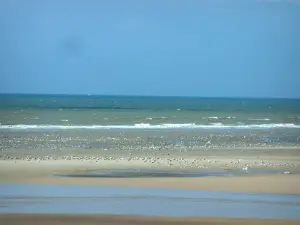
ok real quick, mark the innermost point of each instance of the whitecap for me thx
(262, 119)
(211, 117)
(149, 126)
(217, 124)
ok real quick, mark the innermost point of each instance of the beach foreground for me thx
(44, 173)
(52, 175)
(17, 219)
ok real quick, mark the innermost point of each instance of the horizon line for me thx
(142, 95)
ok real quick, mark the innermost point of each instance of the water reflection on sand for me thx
(148, 202)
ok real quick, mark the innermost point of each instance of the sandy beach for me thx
(43, 173)
(278, 173)
(127, 220)
(42, 161)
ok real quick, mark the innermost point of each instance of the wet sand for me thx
(93, 200)
(36, 158)
(43, 173)
(40, 167)
(127, 220)
(34, 169)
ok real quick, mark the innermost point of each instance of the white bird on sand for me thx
(245, 168)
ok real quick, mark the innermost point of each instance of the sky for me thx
(209, 48)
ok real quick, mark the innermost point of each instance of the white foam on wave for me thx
(149, 126)
(216, 118)
(31, 118)
(263, 119)
(211, 117)
(216, 124)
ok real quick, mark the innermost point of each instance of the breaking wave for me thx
(149, 126)
(263, 119)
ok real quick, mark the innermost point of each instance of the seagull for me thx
(245, 168)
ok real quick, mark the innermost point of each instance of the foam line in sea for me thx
(149, 126)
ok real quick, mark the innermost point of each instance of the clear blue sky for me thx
(244, 48)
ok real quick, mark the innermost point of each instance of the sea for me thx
(151, 121)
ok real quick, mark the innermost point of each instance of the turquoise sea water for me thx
(147, 121)
(136, 112)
